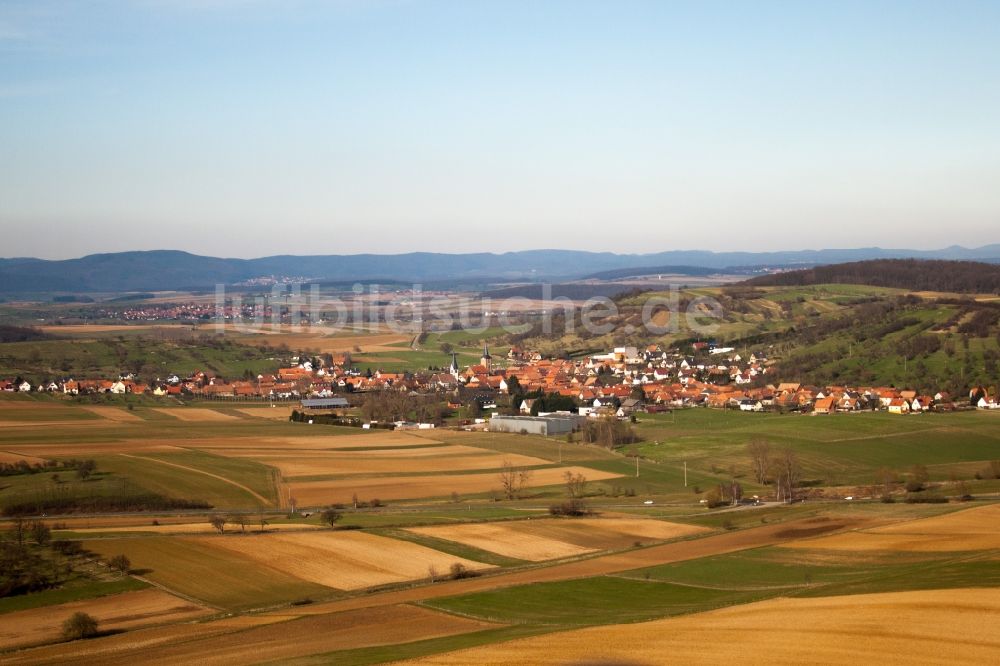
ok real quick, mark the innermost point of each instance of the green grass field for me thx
(198, 477)
(589, 601)
(836, 449)
(73, 591)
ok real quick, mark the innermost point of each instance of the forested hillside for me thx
(914, 274)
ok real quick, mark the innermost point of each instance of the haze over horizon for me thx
(248, 128)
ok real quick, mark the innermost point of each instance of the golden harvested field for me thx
(114, 414)
(63, 449)
(972, 529)
(375, 453)
(13, 457)
(323, 339)
(91, 329)
(353, 462)
(202, 527)
(54, 423)
(944, 627)
(195, 414)
(387, 439)
(345, 560)
(281, 413)
(241, 641)
(87, 522)
(118, 611)
(314, 493)
(551, 538)
(677, 551)
(507, 539)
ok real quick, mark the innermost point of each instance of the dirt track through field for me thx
(252, 492)
(943, 627)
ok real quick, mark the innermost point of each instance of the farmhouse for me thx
(824, 405)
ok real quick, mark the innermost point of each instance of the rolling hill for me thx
(169, 269)
(914, 274)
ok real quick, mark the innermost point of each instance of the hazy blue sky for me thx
(257, 127)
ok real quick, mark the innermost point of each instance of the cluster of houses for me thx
(629, 379)
(184, 312)
(621, 382)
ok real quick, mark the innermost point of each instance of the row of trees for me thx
(777, 467)
(608, 432)
(390, 406)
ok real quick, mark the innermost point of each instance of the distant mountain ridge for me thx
(173, 269)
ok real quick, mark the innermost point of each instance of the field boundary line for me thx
(179, 595)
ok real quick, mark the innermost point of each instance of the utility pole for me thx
(685, 474)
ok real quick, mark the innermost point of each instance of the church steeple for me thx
(486, 361)
(453, 369)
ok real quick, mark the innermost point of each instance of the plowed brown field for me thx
(118, 611)
(220, 642)
(972, 529)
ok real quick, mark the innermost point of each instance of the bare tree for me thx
(787, 473)
(262, 520)
(20, 529)
(330, 516)
(735, 491)
(513, 479)
(120, 563)
(238, 519)
(79, 625)
(218, 522)
(886, 480)
(40, 533)
(760, 458)
(576, 484)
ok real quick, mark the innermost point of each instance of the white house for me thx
(899, 406)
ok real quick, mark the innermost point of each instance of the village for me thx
(620, 383)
